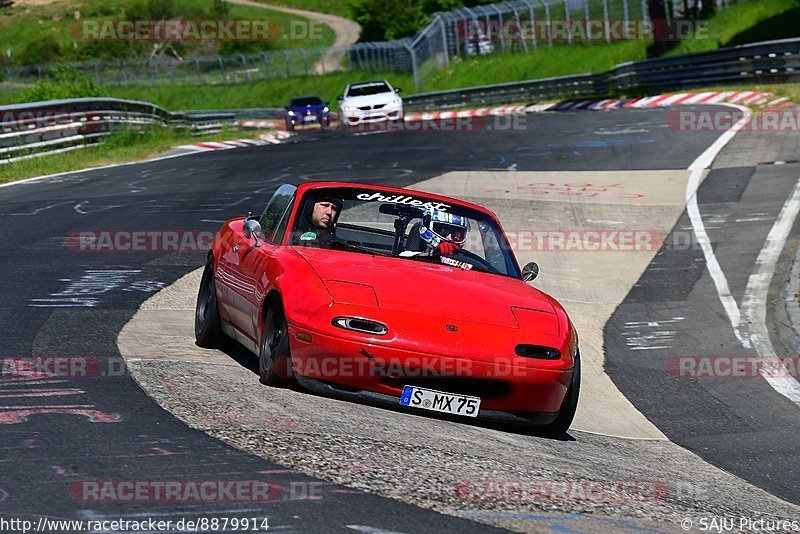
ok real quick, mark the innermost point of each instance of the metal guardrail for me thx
(766, 62)
(41, 128)
(527, 91)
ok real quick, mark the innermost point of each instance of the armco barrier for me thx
(766, 62)
(40, 128)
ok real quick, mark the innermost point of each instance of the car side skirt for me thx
(243, 339)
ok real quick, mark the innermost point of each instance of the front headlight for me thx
(538, 352)
(325, 109)
(291, 113)
(358, 324)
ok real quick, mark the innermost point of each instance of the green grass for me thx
(544, 63)
(21, 26)
(120, 147)
(271, 93)
(333, 7)
(747, 21)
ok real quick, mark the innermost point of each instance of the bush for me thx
(44, 50)
(384, 21)
(64, 82)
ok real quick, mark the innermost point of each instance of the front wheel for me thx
(207, 331)
(566, 414)
(274, 361)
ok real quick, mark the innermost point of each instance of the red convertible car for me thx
(391, 296)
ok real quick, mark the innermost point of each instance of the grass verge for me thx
(121, 147)
(23, 26)
(747, 19)
(263, 94)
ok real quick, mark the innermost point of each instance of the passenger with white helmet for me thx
(439, 232)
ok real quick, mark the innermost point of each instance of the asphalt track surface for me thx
(106, 428)
(740, 424)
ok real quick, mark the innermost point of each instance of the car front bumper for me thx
(314, 118)
(351, 369)
(359, 116)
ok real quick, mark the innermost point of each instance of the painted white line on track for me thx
(697, 168)
(372, 530)
(749, 323)
(754, 303)
(629, 438)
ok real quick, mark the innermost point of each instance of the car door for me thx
(231, 281)
(257, 265)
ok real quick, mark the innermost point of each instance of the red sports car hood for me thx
(431, 289)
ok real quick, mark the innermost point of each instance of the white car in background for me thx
(368, 102)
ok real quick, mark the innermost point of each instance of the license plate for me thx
(439, 401)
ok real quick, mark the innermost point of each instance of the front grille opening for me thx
(474, 387)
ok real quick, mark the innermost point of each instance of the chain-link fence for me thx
(517, 26)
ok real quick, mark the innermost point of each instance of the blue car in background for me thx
(307, 110)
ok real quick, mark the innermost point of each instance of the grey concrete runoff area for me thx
(427, 461)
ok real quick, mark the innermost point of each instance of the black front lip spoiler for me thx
(370, 397)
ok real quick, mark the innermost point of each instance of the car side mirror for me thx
(251, 230)
(530, 271)
(397, 90)
(326, 103)
(286, 108)
(340, 97)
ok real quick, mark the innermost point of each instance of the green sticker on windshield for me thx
(308, 236)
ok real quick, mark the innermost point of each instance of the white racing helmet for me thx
(438, 226)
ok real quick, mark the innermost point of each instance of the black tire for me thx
(566, 414)
(274, 360)
(207, 331)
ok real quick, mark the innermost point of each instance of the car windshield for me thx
(385, 223)
(306, 101)
(372, 88)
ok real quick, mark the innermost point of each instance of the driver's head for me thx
(438, 226)
(325, 212)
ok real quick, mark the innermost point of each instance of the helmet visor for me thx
(456, 234)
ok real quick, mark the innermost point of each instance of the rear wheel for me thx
(207, 331)
(274, 361)
(566, 414)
